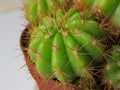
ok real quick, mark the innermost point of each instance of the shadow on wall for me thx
(11, 5)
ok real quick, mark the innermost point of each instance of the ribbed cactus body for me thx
(61, 49)
(107, 6)
(110, 8)
(37, 9)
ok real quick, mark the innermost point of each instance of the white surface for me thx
(11, 5)
(12, 76)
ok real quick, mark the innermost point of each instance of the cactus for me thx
(62, 49)
(105, 6)
(116, 17)
(36, 9)
(112, 73)
(75, 42)
(110, 8)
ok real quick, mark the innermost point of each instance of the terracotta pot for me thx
(42, 83)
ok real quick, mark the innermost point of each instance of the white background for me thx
(12, 76)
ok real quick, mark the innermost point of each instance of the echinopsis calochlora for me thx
(76, 42)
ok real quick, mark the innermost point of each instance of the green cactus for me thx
(31, 11)
(61, 49)
(70, 38)
(106, 7)
(116, 17)
(112, 73)
(36, 9)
